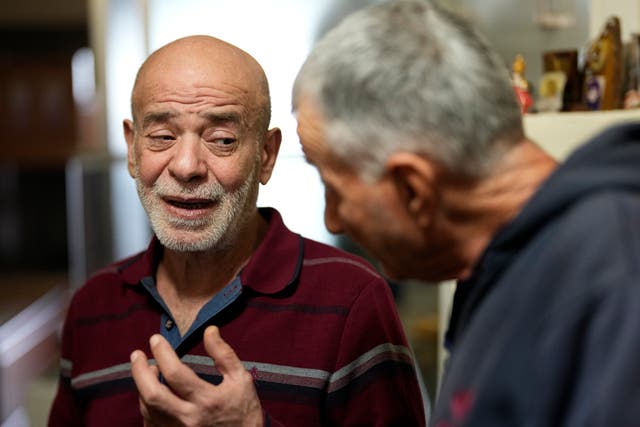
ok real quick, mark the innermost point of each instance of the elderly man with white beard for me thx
(311, 333)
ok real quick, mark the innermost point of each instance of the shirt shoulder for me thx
(101, 284)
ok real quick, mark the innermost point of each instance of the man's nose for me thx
(188, 161)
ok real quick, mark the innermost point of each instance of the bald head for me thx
(203, 61)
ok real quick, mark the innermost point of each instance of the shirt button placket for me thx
(168, 324)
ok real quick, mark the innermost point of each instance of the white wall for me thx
(278, 33)
(510, 27)
(628, 11)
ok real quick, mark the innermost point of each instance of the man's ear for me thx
(129, 136)
(270, 149)
(415, 178)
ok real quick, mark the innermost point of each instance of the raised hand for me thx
(189, 400)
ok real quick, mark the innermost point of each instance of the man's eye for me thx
(160, 141)
(220, 141)
(162, 137)
(225, 141)
(223, 146)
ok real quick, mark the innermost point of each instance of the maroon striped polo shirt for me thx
(316, 326)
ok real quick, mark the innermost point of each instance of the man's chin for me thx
(185, 242)
(182, 246)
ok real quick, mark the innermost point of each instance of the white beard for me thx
(214, 232)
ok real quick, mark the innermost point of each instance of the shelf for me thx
(560, 133)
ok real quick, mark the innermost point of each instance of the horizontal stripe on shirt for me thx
(263, 372)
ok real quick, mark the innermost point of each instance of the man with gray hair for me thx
(413, 125)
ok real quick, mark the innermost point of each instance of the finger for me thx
(155, 370)
(179, 376)
(145, 377)
(153, 394)
(225, 358)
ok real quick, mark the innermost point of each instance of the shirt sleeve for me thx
(374, 382)
(589, 354)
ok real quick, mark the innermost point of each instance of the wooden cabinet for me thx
(37, 109)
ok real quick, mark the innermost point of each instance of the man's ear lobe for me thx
(415, 177)
(129, 136)
(269, 154)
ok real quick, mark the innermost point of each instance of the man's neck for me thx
(188, 280)
(203, 273)
(477, 209)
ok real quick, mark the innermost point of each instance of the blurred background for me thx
(68, 206)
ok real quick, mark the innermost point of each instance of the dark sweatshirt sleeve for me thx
(607, 383)
(592, 343)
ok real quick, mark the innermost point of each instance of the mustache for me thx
(211, 191)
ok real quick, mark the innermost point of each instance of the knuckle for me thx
(228, 353)
(171, 373)
(152, 398)
(246, 377)
(192, 419)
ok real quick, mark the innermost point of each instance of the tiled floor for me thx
(39, 397)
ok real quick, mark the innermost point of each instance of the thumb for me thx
(224, 357)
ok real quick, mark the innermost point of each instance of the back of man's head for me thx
(407, 75)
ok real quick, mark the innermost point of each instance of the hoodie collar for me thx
(610, 160)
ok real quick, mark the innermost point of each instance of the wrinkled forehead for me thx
(192, 73)
(192, 68)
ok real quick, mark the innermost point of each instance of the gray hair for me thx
(409, 76)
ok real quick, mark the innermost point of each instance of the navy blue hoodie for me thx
(546, 331)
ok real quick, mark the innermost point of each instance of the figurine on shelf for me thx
(632, 99)
(520, 84)
(551, 91)
(566, 61)
(632, 94)
(603, 69)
